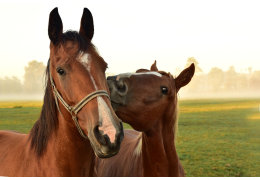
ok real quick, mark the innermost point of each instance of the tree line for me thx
(33, 80)
(216, 80)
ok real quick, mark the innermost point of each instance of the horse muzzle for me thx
(102, 145)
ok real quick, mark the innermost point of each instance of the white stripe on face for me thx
(106, 125)
(128, 75)
(105, 116)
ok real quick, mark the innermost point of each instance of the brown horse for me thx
(76, 116)
(147, 100)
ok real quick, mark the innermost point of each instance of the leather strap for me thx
(75, 109)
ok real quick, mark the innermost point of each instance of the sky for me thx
(132, 34)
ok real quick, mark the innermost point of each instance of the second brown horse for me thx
(147, 100)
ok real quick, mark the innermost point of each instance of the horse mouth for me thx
(102, 154)
(110, 149)
(99, 153)
(106, 155)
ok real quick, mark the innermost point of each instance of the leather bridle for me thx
(73, 110)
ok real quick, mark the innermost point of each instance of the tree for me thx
(215, 79)
(230, 83)
(250, 70)
(10, 85)
(254, 81)
(242, 82)
(193, 60)
(33, 77)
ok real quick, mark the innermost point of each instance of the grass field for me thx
(216, 137)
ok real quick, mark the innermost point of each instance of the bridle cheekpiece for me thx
(73, 110)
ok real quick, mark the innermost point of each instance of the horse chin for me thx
(102, 151)
(105, 155)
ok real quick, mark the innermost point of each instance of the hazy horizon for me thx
(182, 95)
(131, 35)
(217, 84)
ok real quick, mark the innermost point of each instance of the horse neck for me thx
(158, 146)
(67, 145)
(56, 140)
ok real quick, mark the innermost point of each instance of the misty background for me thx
(215, 84)
(220, 37)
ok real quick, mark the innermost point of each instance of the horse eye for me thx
(164, 90)
(61, 72)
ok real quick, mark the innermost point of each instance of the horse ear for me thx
(153, 67)
(184, 78)
(87, 26)
(141, 70)
(55, 26)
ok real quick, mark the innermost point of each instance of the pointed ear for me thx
(86, 26)
(153, 67)
(55, 26)
(184, 78)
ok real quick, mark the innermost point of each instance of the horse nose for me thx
(116, 84)
(102, 140)
(113, 78)
(122, 88)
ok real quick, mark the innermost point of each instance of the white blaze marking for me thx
(106, 125)
(104, 112)
(137, 74)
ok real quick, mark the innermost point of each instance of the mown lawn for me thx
(216, 137)
(219, 137)
(19, 116)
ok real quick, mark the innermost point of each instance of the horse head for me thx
(141, 98)
(77, 74)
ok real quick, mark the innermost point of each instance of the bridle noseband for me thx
(75, 109)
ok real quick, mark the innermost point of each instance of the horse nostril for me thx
(120, 84)
(121, 88)
(99, 137)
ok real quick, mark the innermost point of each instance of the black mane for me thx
(48, 120)
(77, 38)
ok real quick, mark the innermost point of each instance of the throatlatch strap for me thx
(74, 110)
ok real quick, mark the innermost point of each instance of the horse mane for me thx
(83, 43)
(177, 111)
(176, 119)
(48, 121)
(77, 38)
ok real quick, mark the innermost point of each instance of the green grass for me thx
(216, 137)
(18, 119)
(219, 137)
